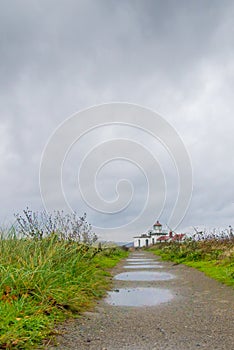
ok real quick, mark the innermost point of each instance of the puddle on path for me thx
(144, 276)
(139, 259)
(138, 296)
(155, 266)
(143, 262)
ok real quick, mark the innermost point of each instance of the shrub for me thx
(40, 225)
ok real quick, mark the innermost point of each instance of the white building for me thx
(156, 235)
(151, 237)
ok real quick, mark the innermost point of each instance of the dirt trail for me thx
(200, 316)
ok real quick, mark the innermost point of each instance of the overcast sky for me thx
(175, 57)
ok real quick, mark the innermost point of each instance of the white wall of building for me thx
(142, 241)
(151, 237)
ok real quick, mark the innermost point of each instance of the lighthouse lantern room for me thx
(157, 227)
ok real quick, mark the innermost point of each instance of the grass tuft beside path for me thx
(46, 281)
(214, 257)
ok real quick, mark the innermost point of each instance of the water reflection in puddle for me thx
(138, 296)
(155, 266)
(139, 259)
(143, 262)
(144, 276)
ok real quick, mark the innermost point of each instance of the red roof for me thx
(178, 237)
(157, 223)
(163, 238)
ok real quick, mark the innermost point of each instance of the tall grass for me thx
(43, 281)
(213, 256)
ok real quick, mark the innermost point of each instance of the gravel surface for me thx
(200, 316)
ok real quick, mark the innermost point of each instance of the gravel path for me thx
(200, 316)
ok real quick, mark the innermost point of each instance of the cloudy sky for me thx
(58, 57)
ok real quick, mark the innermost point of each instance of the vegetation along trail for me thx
(182, 309)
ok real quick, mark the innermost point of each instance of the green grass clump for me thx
(215, 257)
(45, 281)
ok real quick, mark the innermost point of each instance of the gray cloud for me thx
(57, 57)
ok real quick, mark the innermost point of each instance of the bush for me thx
(213, 256)
(48, 273)
(40, 225)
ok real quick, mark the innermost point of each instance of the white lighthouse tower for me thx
(157, 228)
(151, 237)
